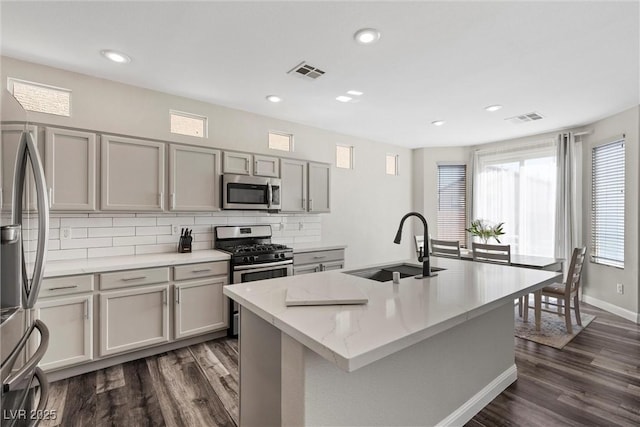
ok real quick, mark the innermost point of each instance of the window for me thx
(280, 141)
(452, 203)
(607, 204)
(344, 156)
(41, 98)
(517, 186)
(392, 164)
(188, 124)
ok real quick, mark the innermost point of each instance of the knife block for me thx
(184, 245)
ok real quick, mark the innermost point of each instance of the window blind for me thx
(452, 203)
(607, 204)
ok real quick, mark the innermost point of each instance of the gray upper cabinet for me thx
(294, 185)
(70, 169)
(319, 187)
(266, 166)
(194, 178)
(238, 163)
(8, 149)
(132, 174)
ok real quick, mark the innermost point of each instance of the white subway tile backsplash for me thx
(134, 240)
(104, 234)
(134, 222)
(113, 251)
(112, 232)
(98, 242)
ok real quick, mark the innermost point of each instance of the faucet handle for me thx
(420, 255)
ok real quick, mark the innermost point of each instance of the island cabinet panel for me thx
(200, 307)
(132, 174)
(194, 179)
(70, 324)
(319, 187)
(294, 185)
(266, 166)
(237, 163)
(9, 141)
(132, 319)
(70, 169)
(313, 262)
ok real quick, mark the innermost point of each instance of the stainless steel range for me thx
(253, 257)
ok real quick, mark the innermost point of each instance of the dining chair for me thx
(445, 248)
(419, 239)
(497, 254)
(564, 293)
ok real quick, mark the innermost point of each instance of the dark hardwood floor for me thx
(593, 381)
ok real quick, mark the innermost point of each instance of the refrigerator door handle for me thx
(28, 151)
(17, 376)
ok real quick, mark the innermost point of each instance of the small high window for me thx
(41, 98)
(188, 124)
(280, 141)
(344, 156)
(392, 164)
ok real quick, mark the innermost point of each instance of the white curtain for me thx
(568, 198)
(517, 185)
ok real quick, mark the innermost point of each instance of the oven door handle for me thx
(262, 267)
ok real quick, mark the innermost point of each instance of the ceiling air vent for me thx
(524, 118)
(306, 71)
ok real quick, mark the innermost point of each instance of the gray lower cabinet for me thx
(70, 169)
(194, 178)
(133, 318)
(314, 262)
(200, 307)
(132, 176)
(70, 323)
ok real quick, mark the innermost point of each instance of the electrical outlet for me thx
(300, 225)
(65, 233)
(620, 288)
(175, 230)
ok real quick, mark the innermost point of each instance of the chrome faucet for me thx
(423, 257)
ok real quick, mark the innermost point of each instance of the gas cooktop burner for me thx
(244, 249)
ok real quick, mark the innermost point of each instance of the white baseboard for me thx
(464, 413)
(622, 312)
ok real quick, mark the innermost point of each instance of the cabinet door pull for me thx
(173, 200)
(63, 287)
(255, 167)
(1, 198)
(310, 205)
(164, 296)
(319, 256)
(304, 203)
(86, 309)
(202, 270)
(177, 295)
(128, 279)
(161, 200)
(50, 197)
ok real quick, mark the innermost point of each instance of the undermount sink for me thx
(385, 274)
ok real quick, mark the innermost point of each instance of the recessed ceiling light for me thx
(114, 56)
(367, 36)
(438, 123)
(274, 98)
(343, 98)
(354, 92)
(493, 107)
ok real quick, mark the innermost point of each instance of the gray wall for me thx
(366, 203)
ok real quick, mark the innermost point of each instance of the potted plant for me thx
(485, 230)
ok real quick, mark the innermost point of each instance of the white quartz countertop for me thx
(396, 315)
(97, 265)
(299, 248)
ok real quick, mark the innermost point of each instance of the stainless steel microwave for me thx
(250, 192)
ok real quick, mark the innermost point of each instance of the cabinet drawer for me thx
(66, 285)
(125, 279)
(318, 257)
(194, 271)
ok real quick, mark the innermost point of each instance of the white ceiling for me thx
(573, 62)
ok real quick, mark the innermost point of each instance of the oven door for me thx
(251, 273)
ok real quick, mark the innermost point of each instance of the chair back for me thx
(575, 270)
(445, 248)
(500, 254)
(419, 239)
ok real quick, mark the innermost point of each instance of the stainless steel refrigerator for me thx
(24, 231)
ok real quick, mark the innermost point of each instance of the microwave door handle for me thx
(270, 195)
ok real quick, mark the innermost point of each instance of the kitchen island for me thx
(430, 351)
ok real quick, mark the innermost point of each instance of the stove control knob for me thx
(281, 255)
(252, 258)
(245, 259)
(276, 256)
